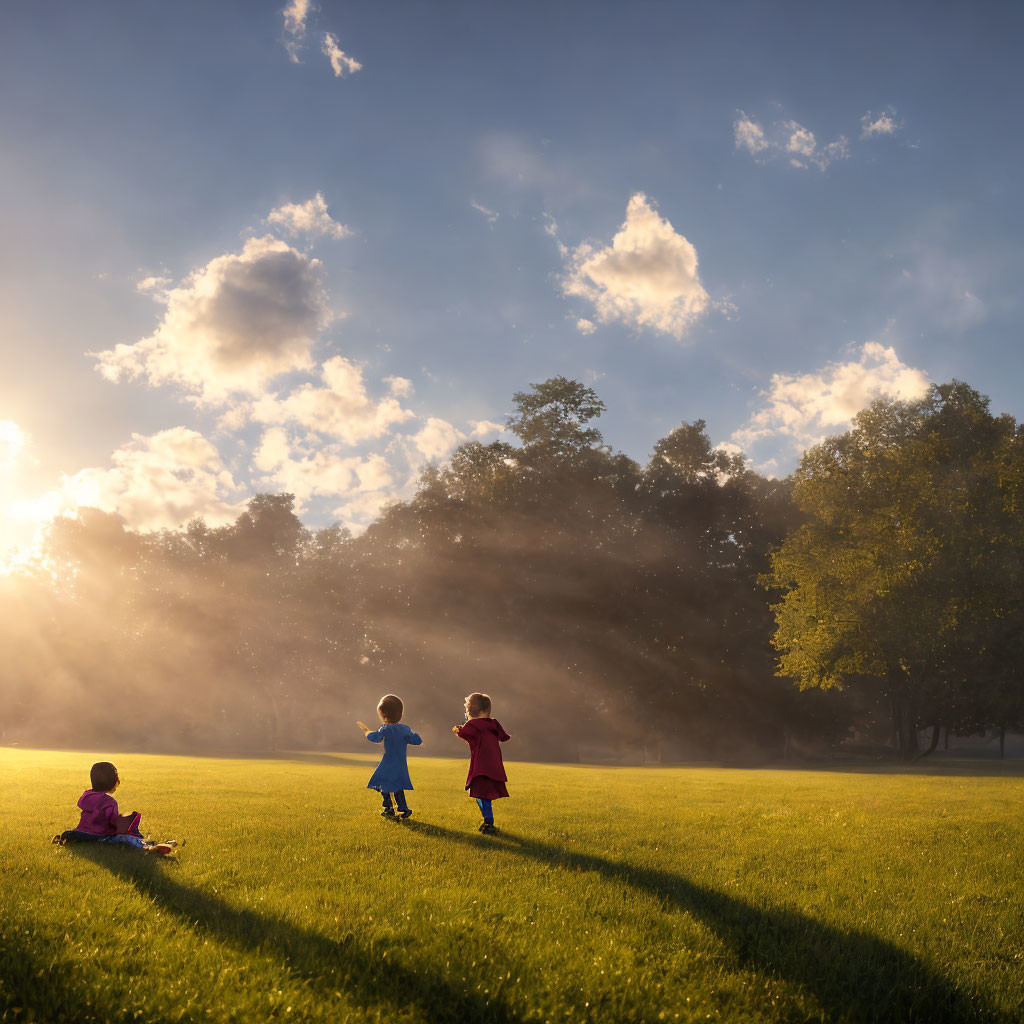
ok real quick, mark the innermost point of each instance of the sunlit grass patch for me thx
(610, 894)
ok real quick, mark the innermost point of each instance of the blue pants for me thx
(485, 810)
(399, 800)
(74, 836)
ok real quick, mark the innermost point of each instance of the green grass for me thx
(611, 894)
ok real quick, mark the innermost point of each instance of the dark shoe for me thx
(388, 812)
(405, 812)
(488, 827)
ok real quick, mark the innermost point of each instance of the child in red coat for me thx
(486, 779)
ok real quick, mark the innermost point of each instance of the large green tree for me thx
(906, 564)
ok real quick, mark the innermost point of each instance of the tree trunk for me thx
(936, 729)
(905, 729)
(1002, 742)
(945, 739)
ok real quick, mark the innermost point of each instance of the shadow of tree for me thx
(854, 976)
(372, 976)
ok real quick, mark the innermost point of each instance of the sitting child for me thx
(392, 775)
(486, 780)
(101, 822)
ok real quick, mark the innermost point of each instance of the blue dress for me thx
(392, 773)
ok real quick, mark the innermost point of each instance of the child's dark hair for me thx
(103, 776)
(391, 708)
(477, 703)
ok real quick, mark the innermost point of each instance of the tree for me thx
(898, 571)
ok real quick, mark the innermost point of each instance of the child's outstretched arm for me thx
(365, 728)
(502, 735)
(373, 737)
(457, 729)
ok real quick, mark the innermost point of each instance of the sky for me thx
(309, 247)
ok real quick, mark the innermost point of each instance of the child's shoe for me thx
(488, 827)
(406, 812)
(388, 812)
(163, 849)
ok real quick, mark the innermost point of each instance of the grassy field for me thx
(610, 894)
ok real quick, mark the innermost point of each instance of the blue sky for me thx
(511, 191)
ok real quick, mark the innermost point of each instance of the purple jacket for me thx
(99, 813)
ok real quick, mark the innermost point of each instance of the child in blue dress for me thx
(391, 779)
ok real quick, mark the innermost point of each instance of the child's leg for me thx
(485, 810)
(403, 807)
(387, 810)
(135, 841)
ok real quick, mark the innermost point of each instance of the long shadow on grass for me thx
(854, 976)
(34, 987)
(371, 975)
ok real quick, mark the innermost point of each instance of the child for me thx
(392, 775)
(101, 822)
(486, 779)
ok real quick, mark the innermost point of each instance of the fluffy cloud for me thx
(308, 471)
(399, 387)
(341, 408)
(880, 124)
(155, 482)
(357, 513)
(232, 325)
(481, 428)
(786, 139)
(308, 218)
(749, 135)
(155, 285)
(646, 277)
(806, 408)
(585, 326)
(341, 63)
(437, 438)
(295, 14)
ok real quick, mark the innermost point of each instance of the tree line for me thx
(688, 608)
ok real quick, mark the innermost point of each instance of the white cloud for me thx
(341, 409)
(295, 14)
(646, 277)
(749, 135)
(308, 218)
(155, 285)
(585, 326)
(341, 63)
(400, 387)
(232, 325)
(786, 139)
(308, 471)
(481, 428)
(157, 481)
(357, 514)
(437, 439)
(805, 408)
(491, 215)
(879, 124)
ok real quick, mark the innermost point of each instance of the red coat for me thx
(483, 736)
